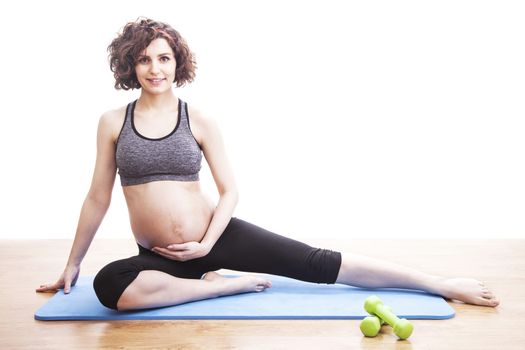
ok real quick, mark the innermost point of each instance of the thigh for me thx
(244, 246)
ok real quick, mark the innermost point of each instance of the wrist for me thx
(207, 246)
(72, 263)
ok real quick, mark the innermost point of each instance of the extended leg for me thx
(361, 271)
(247, 247)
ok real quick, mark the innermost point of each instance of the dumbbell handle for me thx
(386, 315)
(386, 308)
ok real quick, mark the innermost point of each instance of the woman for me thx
(157, 143)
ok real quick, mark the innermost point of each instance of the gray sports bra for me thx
(140, 159)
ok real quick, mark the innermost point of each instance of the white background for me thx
(367, 119)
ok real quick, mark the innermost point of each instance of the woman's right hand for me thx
(67, 279)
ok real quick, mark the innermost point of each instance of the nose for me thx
(155, 67)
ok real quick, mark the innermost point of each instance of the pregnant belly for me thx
(168, 212)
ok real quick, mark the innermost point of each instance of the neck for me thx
(161, 102)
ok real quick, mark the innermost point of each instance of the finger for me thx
(161, 250)
(170, 254)
(41, 288)
(181, 246)
(167, 255)
(158, 251)
(67, 286)
(47, 288)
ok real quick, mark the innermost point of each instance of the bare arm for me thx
(94, 208)
(215, 154)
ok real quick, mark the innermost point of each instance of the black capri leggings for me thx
(242, 246)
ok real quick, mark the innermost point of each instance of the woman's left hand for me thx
(183, 251)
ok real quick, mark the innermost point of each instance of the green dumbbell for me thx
(371, 325)
(402, 327)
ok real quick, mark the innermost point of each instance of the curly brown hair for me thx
(135, 38)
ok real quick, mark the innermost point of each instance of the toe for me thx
(487, 294)
(484, 302)
(493, 302)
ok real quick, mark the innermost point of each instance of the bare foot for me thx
(242, 284)
(468, 290)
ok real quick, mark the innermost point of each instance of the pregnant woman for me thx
(156, 143)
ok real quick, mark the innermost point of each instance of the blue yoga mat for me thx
(287, 299)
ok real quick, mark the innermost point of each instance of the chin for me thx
(156, 91)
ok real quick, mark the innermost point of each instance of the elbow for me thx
(236, 197)
(232, 193)
(102, 200)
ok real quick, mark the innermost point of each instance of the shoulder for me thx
(203, 124)
(200, 115)
(111, 121)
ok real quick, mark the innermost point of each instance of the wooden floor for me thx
(26, 264)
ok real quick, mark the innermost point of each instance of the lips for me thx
(156, 80)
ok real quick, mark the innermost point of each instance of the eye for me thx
(164, 59)
(143, 60)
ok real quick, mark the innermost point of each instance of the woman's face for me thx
(156, 66)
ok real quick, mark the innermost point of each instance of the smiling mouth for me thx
(155, 81)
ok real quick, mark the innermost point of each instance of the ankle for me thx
(437, 285)
(224, 286)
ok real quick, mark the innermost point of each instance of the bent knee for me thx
(111, 281)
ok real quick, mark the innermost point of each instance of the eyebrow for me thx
(160, 54)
